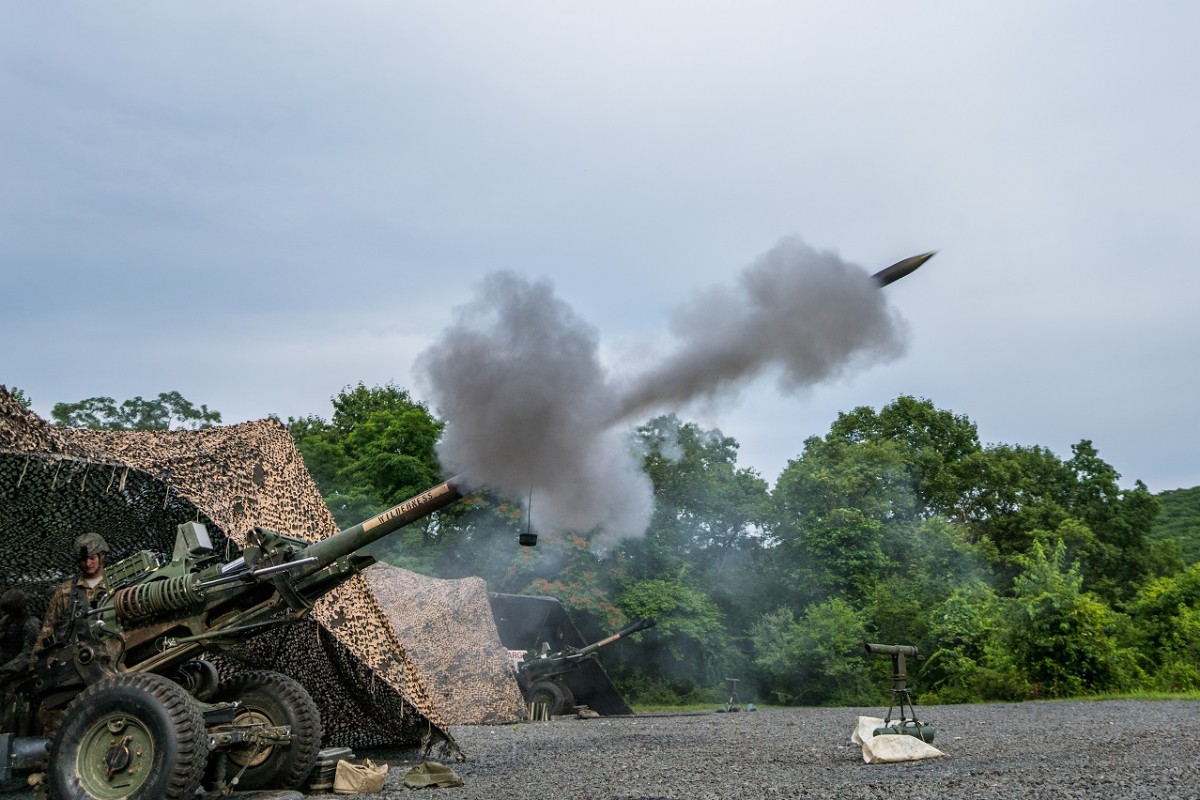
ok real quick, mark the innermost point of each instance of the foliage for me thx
(581, 581)
(688, 645)
(170, 410)
(1064, 640)
(818, 659)
(831, 506)
(1166, 613)
(1025, 495)
(940, 447)
(377, 450)
(1179, 521)
(17, 394)
(967, 629)
(709, 515)
(1020, 574)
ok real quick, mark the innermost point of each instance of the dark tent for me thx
(526, 622)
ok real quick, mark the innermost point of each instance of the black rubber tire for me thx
(279, 700)
(165, 760)
(556, 696)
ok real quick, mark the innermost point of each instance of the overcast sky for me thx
(256, 204)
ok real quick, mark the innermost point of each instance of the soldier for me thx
(18, 632)
(75, 594)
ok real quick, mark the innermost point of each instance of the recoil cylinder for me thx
(153, 598)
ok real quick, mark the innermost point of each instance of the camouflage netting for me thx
(474, 684)
(134, 487)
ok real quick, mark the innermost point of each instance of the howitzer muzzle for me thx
(640, 625)
(343, 543)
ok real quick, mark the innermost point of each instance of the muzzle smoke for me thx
(529, 406)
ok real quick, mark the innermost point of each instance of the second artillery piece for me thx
(541, 674)
(142, 712)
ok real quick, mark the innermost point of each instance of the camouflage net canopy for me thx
(135, 487)
(449, 633)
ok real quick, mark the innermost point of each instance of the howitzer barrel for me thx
(345, 542)
(640, 625)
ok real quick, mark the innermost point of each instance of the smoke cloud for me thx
(805, 312)
(530, 409)
(527, 405)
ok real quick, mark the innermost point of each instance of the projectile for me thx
(901, 268)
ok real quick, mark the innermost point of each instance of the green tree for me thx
(1065, 640)
(1017, 491)
(1120, 520)
(20, 397)
(709, 530)
(968, 659)
(1023, 495)
(831, 508)
(940, 447)
(170, 410)
(1165, 615)
(707, 510)
(1179, 521)
(818, 659)
(688, 649)
(377, 450)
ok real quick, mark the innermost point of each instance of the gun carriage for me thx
(141, 712)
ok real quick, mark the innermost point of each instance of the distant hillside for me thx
(1180, 520)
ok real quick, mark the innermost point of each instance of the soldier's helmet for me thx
(89, 544)
(13, 601)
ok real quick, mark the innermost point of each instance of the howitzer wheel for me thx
(274, 699)
(134, 735)
(556, 696)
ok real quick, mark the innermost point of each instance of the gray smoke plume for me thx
(805, 312)
(518, 380)
(530, 409)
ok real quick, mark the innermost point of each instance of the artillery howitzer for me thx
(540, 674)
(142, 713)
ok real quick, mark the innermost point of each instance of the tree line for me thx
(1017, 573)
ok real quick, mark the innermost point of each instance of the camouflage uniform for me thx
(18, 633)
(76, 591)
(60, 614)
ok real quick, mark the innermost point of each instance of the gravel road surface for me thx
(1111, 750)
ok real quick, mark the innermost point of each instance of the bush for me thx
(1065, 641)
(818, 660)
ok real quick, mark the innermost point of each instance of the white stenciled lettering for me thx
(411, 504)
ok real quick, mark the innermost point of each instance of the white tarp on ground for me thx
(889, 748)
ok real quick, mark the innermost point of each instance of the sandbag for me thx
(431, 774)
(364, 778)
(889, 748)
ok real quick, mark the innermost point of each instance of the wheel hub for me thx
(251, 755)
(118, 756)
(115, 756)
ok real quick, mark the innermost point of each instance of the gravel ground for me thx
(1114, 749)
